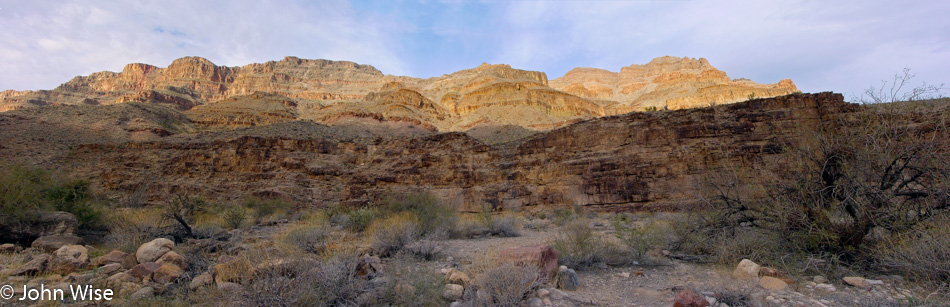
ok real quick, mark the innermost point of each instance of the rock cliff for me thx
(338, 91)
(643, 160)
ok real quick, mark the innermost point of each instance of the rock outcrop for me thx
(650, 160)
(337, 91)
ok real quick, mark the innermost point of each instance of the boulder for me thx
(143, 270)
(567, 279)
(52, 243)
(114, 256)
(172, 258)
(229, 287)
(121, 278)
(75, 254)
(56, 223)
(167, 273)
(858, 282)
(544, 257)
(200, 281)
(35, 266)
(766, 271)
(687, 298)
(747, 269)
(9, 248)
(459, 278)
(143, 293)
(772, 283)
(151, 251)
(110, 268)
(452, 292)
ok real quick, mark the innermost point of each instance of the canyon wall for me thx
(649, 160)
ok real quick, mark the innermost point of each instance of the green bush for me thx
(360, 219)
(411, 283)
(431, 213)
(311, 239)
(579, 246)
(392, 234)
(26, 192)
(639, 239)
(234, 216)
(264, 208)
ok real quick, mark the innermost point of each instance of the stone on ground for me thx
(544, 257)
(687, 298)
(772, 283)
(452, 292)
(151, 251)
(747, 269)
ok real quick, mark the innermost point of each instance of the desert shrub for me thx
(639, 238)
(922, 252)
(313, 239)
(27, 191)
(180, 214)
(429, 246)
(431, 213)
(503, 225)
(734, 297)
(391, 235)
(360, 219)
(208, 231)
(332, 283)
(234, 216)
(264, 208)
(881, 169)
(562, 216)
(129, 228)
(410, 283)
(505, 285)
(579, 246)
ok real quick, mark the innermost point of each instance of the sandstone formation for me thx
(650, 160)
(333, 92)
(665, 83)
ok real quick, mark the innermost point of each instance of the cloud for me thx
(46, 43)
(839, 45)
(842, 46)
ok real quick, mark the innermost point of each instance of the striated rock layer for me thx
(334, 91)
(649, 160)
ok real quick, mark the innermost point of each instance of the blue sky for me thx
(843, 45)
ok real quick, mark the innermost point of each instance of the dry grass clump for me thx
(314, 239)
(505, 285)
(432, 215)
(579, 246)
(640, 238)
(130, 228)
(410, 283)
(923, 253)
(391, 235)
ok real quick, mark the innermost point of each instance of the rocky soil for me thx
(158, 271)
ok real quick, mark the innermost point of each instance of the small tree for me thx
(894, 90)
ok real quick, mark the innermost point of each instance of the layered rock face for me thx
(665, 83)
(331, 91)
(650, 160)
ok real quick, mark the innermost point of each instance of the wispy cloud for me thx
(45, 43)
(842, 46)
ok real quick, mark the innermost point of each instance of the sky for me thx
(842, 46)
